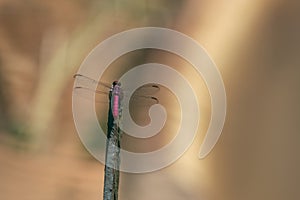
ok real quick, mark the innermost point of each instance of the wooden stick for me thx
(112, 158)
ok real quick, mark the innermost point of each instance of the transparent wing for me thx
(87, 88)
(88, 93)
(149, 89)
(88, 82)
(143, 96)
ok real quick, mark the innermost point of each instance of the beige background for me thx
(256, 46)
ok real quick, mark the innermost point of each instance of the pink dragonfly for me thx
(105, 93)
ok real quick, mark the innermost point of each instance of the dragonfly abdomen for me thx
(116, 106)
(116, 100)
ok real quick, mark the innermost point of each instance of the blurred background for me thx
(256, 46)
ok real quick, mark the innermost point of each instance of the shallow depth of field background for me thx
(255, 45)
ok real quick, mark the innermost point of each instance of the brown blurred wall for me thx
(255, 44)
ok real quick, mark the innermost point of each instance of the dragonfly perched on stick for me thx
(88, 88)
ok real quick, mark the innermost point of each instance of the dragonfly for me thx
(89, 88)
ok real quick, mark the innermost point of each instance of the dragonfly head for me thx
(116, 83)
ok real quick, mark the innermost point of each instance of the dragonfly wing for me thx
(89, 88)
(88, 82)
(146, 90)
(93, 95)
(143, 96)
(137, 100)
